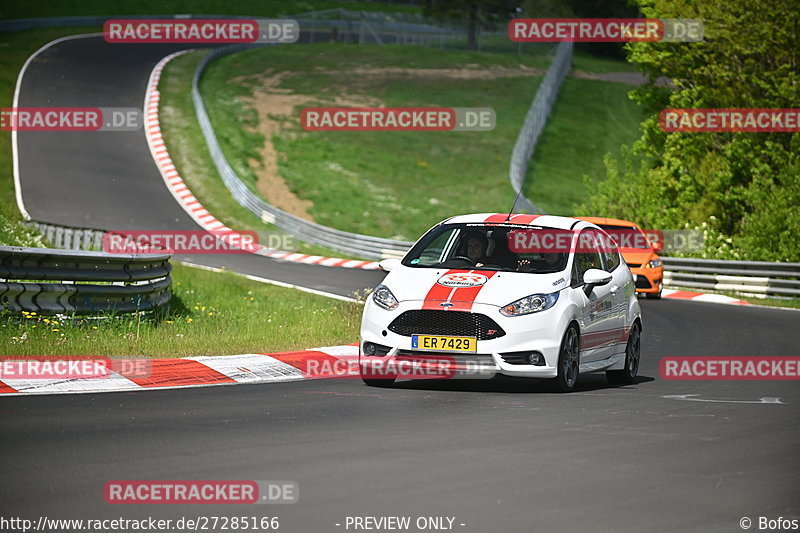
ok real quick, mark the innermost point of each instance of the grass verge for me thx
(589, 120)
(210, 314)
(189, 152)
(391, 184)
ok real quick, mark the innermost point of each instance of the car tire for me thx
(653, 295)
(569, 361)
(633, 354)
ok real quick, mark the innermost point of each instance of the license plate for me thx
(441, 343)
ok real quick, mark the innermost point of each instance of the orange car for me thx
(637, 252)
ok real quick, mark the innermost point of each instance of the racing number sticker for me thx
(462, 280)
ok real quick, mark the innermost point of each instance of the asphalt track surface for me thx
(500, 455)
(109, 180)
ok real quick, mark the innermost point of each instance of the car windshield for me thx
(627, 236)
(485, 247)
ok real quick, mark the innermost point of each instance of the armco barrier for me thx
(68, 238)
(353, 243)
(122, 282)
(342, 241)
(535, 120)
(756, 278)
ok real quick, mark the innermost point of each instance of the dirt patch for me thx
(629, 78)
(476, 73)
(273, 106)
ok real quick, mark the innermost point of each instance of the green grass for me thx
(392, 184)
(262, 8)
(189, 152)
(589, 119)
(600, 65)
(210, 314)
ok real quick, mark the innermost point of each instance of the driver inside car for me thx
(476, 248)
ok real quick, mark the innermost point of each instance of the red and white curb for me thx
(318, 363)
(192, 205)
(673, 294)
(205, 371)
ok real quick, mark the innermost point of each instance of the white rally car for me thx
(499, 293)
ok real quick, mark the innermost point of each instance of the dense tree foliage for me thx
(745, 186)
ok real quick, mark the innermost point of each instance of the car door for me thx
(599, 316)
(621, 289)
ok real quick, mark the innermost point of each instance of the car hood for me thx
(636, 256)
(475, 286)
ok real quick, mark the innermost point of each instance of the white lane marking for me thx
(692, 398)
(273, 282)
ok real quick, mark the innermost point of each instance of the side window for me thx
(586, 256)
(611, 257)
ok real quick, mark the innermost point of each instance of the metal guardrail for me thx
(756, 278)
(68, 238)
(351, 243)
(354, 243)
(123, 282)
(535, 120)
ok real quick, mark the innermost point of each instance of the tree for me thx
(475, 12)
(745, 185)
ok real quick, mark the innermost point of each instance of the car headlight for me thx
(384, 298)
(530, 304)
(655, 263)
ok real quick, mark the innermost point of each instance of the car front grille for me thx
(643, 283)
(435, 322)
(515, 358)
(634, 265)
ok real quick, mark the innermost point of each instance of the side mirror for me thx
(657, 246)
(595, 277)
(387, 265)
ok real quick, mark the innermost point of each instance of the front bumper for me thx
(540, 332)
(648, 280)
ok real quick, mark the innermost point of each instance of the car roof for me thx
(610, 221)
(548, 221)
